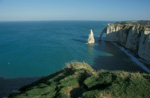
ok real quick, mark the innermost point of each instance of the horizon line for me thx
(66, 20)
(51, 20)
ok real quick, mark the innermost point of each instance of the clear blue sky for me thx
(18, 10)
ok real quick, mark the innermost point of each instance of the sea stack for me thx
(91, 38)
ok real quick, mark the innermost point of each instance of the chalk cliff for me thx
(134, 37)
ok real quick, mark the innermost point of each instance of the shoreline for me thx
(134, 58)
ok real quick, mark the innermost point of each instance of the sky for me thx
(115, 10)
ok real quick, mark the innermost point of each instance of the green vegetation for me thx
(79, 80)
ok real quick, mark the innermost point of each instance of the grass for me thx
(79, 80)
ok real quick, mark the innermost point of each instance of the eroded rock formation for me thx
(91, 38)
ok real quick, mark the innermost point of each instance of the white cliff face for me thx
(144, 45)
(136, 38)
(115, 33)
(91, 38)
(110, 31)
(133, 38)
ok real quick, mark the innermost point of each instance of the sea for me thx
(40, 48)
(32, 49)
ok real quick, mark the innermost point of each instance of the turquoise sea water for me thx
(39, 48)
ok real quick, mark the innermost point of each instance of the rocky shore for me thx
(132, 35)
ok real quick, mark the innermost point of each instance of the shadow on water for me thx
(85, 39)
(78, 40)
(119, 60)
(96, 39)
(7, 86)
(111, 57)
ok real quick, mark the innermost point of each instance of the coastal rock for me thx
(117, 33)
(91, 38)
(104, 31)
(112, 32)
(133, 37)
(144, 45)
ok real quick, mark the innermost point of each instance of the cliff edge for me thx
(79, 80)
(135, 37)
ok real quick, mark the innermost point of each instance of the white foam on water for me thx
(133, 58)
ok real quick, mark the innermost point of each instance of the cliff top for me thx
(141, 22)
(127, 24)
(79, 80)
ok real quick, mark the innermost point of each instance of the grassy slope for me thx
(79, 80)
